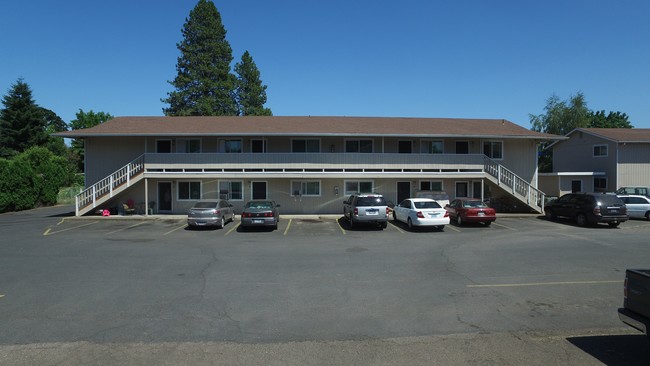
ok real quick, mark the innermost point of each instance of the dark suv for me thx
(366, 208)
(588, 209)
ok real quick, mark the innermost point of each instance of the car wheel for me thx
(488, 223)
(581, 220)
(384, 225)
(647, 215)
(459, 220)
(549, 214)
(613, 224)
(440, 227)
(410, 223)
(394, 216)
(222, 222)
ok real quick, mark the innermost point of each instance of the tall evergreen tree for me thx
(204, 85)
(251, 94)
(22, 123)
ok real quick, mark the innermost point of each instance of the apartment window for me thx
(230, 146)
(600, 150)
(231, 190)
(600, 184)
(432, 147)
(189, 146)
(493, 149)
(462, 147)
(431, 185)
(358, 146)
(189, 191)
(353, 186)
(305, 145)
(405, 147)
(305, 188)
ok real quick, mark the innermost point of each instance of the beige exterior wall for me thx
(105, 155)
(634, 165)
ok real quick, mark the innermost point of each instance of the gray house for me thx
(599, 160)
(307, 164)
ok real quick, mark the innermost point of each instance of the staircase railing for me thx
(107, 186)
(518, 186)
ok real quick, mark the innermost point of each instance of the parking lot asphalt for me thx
(315, 291)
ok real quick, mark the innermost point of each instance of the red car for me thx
(464, 210)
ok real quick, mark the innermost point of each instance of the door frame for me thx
(266, 189)
(171, 196)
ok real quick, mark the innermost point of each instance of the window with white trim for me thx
(493, 149)
(358, 186)
(600, 150)
(189, 146)
(189, 191)
(305, 188)
(358, 146)
(432, 147)
(230, 146)
(432, 185)
(231, 190)
(305, 145)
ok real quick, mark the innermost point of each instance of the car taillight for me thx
(446, 213)
(387, 211)
(420, 214)
(246, 214)
(356, 211)
(597, 211)
(268, 214)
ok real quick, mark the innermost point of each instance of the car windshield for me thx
(260, 204)
(371, 201)
(474, 204)
(205, 205)
(427, 204)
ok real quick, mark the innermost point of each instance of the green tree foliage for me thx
(611, 120)
(204, 85)
(53, 124)
(22, 123)
(32, 178)
(85, 120)
(251, 94)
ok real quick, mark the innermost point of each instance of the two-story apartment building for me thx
(306, 164)
(599, 160)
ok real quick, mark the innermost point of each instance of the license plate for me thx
(481, 213)
(372, 212)
(433, 214)
(258, 221)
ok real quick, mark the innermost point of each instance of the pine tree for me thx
(204, 84)
(251, 94)
(22, 123)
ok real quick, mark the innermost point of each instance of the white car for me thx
(421, 212)
(637, 206)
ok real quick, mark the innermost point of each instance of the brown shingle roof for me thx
(308, 126)
(620, 134)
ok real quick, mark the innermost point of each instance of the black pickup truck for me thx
(636, 304)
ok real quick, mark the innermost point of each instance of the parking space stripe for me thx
(393, 224)
(125, 228)
(504, 226)
(50, 232)
(288, 226)
(1, 296)
(232, 229)
(338, 222)
(178, 228)
(453, 228)
(544, 284)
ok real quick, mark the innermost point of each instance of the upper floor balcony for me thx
(312, 163)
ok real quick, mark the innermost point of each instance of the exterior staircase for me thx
(107, 188)
(515, 185)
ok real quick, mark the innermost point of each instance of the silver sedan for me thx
(637, 206)
(210, 213)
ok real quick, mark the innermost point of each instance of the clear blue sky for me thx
(424, 58)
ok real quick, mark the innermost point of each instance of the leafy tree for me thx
(49, 173)
(612, 120)
(22, 123)
(85, 120)
(204, 85)
(562, 117)
(16, 186)
(54, 123)
(251, 94)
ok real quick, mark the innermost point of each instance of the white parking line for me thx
(232, 229)
(340, 227)
(544, 284)
(178, 228)
(50, 232)
(125, 228)
(288, 226)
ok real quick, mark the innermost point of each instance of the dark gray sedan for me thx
(260, 213)
(210, 213)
